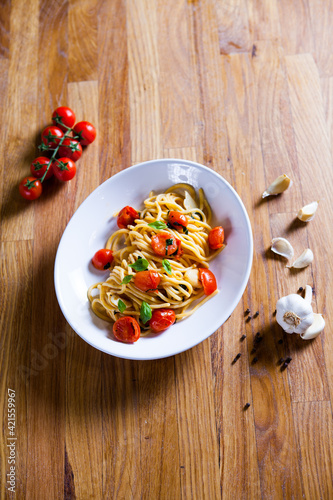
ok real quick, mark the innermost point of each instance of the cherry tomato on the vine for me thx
(30, 188)
(86, 133)
(147, 281)
(38, 167)
(51, 136)
(164, 243)
(64, 169)
(102, 259)
(216, 237)
(126, 217)
(208, 281)
(177, 220)
(63, 118)
(126, 329)
(162, 319)
(70, 148)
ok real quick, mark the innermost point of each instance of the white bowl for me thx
(93, 222)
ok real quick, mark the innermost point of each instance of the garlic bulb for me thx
(307, 213)
(282, 247)
(303, 260)
(315, 329)
(294, 313)
(280, 184)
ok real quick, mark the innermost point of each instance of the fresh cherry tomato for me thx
(164, 243)
(177, 220)
(102, 259)
(147, 281)
(126, 329)
(30, 188)
(51, 136)
(64, 169)
(70, 148)
(126, 217)
(216, 237)
(63, 116)
(39, 166)
(86, 133)
(208, 281)
(161, 319)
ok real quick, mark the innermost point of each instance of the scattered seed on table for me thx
(258, 334)
(248, 318)
(236, 358)
(281, 360)
(256, 314)
(243, 337)
(247, 311)
(274, 312)
(258, 339)
(280, 341)
(253, 350)
(300, 289)
(247, 406)
(288, 359)
(254, 360)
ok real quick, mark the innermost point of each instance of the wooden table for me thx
(246, 88)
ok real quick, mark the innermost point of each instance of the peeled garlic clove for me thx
(315, 329)
(189, 202)
(307, 213)
(280, 184)
(281, 246)
(303, 260)
(192, 276)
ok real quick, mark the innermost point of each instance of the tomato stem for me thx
(55, 150)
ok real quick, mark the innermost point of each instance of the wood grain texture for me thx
(246, 88)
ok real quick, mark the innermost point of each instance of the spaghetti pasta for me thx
(173, 252)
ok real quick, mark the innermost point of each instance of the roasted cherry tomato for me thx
(216, 237)
(179, 252)
(126, 217)
(102, 259)
(64, 169)
(70, 148)
(164, 243)
(39, 166)
(63, 118)
(86, 133)
(208, 280)
(177, 220)
(51, 136)
(147, 281)
(126, 329)
(161, 319)
(30, 188)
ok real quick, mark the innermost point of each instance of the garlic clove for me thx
(280, 184)
(315, 329)
(189, 202)
(192, 276)
(307, 213)
(303, 260)
(282, 247)
(308, 294)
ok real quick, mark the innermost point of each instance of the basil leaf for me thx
(145, 312)
(158, 225)
(121, 306)
(167, 266)
(127, 279)
(168, 242)
(140, 265)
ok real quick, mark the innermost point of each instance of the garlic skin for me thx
(282, 247)
(294, 314)
(279, 185)
(315, 329)
(303, 260)
(307, 213)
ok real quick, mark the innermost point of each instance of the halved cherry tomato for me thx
(208, 280)
(102, 259)
(147, 280)
(164, 243)
(180, 251)
(126, 329)
(126, 217)
(161, 319)
(30, 188)
(216, 237)
(39, 166)
(86, 133)
(63, 116)
(51, 136)
(177, 220)
(70, 148)
(64, 169)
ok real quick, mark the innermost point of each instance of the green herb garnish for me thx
(158, 225)
(127, 279)
(167, 266)
(140, 264)
(121, 306)
(145, 312)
